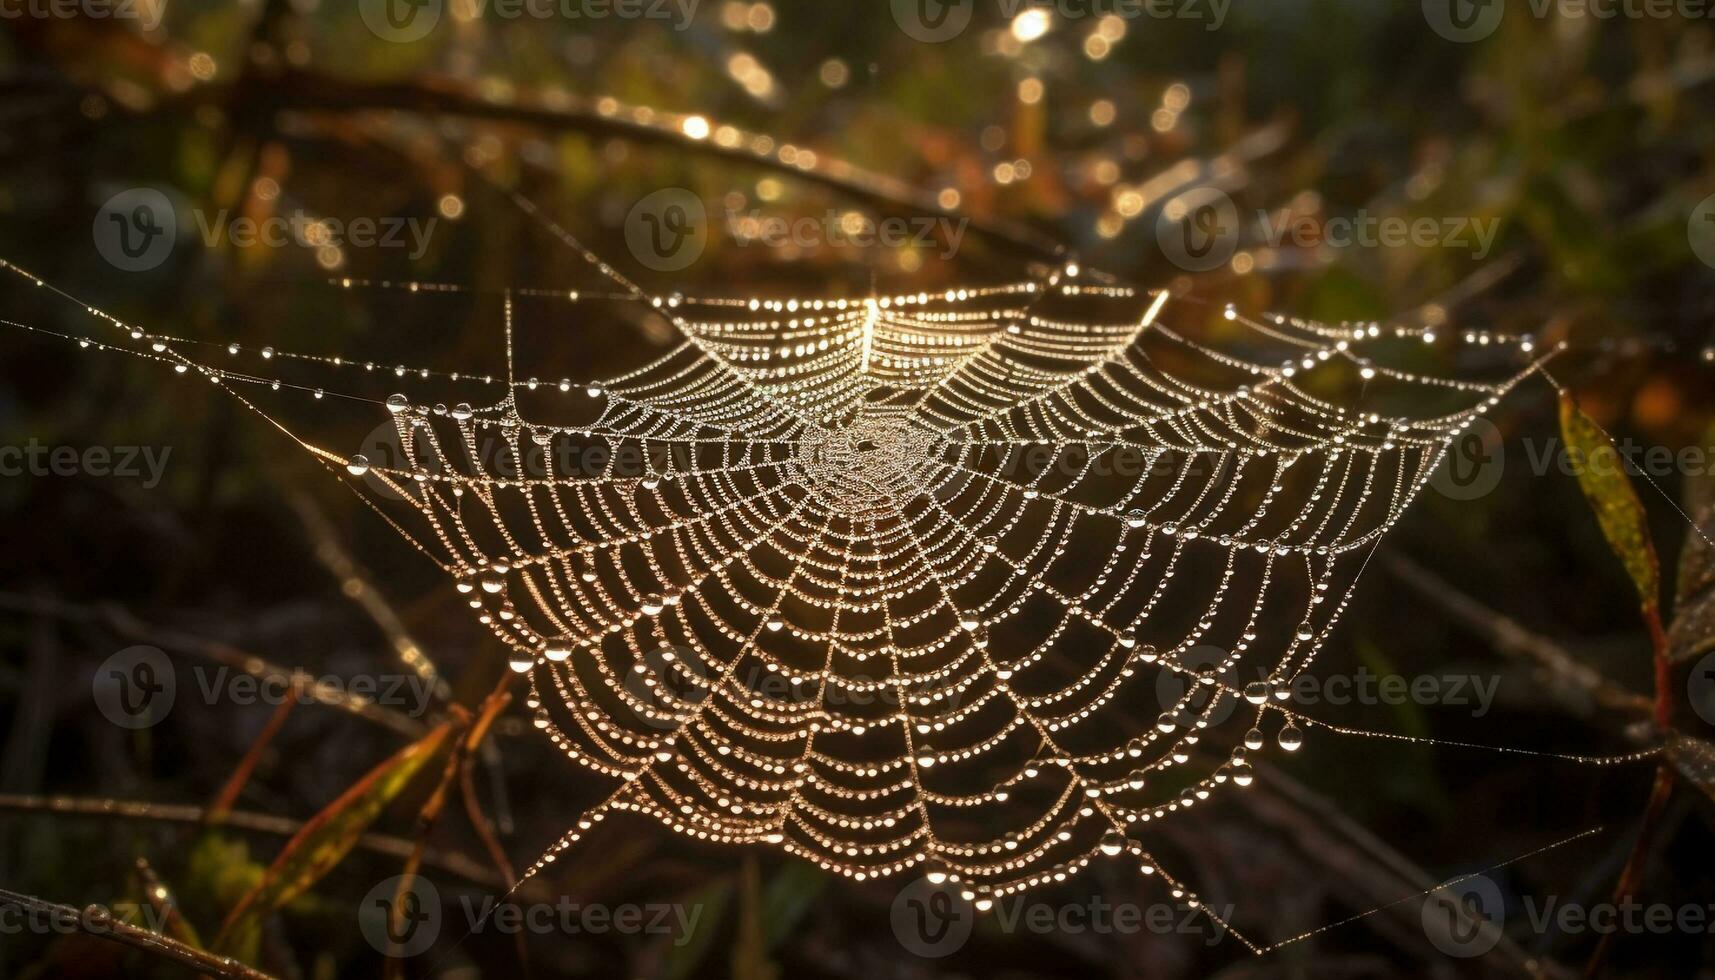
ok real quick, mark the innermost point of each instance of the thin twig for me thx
(356, 586)
(235, 783)
(430, 813)
(122, 622)
(264, 823)
(1631, 876)
(1516, 642)
(100, 923)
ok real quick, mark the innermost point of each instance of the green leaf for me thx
(324, 841)
(1601, 472)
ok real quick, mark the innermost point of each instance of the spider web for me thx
(846, 559)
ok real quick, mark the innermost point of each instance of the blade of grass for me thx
(326, 838)
(1601, 473)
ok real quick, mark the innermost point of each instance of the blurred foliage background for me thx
(1588, 140)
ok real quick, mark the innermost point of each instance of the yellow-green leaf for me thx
(1602, 474)
(325, 840)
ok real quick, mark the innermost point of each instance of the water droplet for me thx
(1253, 739)
(521, 665)
(557, 654)
(775, 624)
(397, 403)
(1136, 779)
(653, 604)
(1111, 843)
(1136, 518)
(493, 584)
(1256, 692)
(1243, 775)
(357, 465)
(462, 411)
(990, 544)
(1291, 738)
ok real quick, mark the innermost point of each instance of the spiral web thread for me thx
(882, 548)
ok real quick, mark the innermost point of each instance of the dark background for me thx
(1588, 139)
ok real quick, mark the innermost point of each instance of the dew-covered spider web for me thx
(975, 584)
